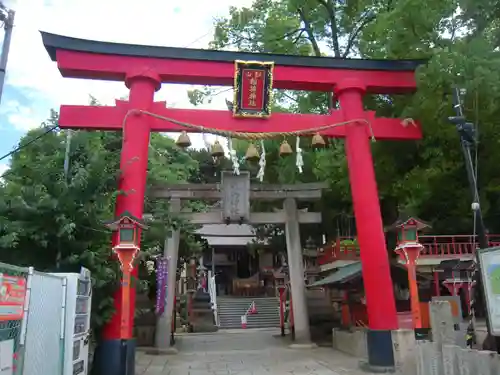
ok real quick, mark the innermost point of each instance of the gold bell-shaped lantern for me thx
(252, 153)
(217, 150)
(285, 149)
(318, 141)
(183, 141)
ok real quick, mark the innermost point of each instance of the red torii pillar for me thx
(144, 69)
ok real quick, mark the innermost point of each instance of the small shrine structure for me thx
(235, 193)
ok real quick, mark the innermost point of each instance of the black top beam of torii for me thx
(53, 42)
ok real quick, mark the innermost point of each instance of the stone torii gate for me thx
(144, 68)
(235, 192)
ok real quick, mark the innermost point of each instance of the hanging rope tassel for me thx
(300, 160)
(234, 157)
(262, 162)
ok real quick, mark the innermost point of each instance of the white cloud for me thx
(3, 168)
(152, 22)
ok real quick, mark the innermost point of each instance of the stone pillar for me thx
(171, 253)
(296, 270)
(442, 323)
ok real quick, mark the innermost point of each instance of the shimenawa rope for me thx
(248, 136)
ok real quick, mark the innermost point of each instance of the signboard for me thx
(235, 197)
(253, 86)
(12, 294)
(489, 264)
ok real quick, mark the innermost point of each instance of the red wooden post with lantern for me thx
(128, 230)
(408, 248)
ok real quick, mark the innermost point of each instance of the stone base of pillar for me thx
(115, 357)
(380, 351)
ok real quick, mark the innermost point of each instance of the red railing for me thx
(338, 251)
(453, 246)
(434, 246)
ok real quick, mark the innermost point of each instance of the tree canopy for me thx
(460, 40)
(54, 221)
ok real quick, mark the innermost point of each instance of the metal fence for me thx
(44, 316)
(31, 321)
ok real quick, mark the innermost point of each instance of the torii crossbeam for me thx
(145, 68)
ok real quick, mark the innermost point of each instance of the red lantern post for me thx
(127, 231)
(408, 248)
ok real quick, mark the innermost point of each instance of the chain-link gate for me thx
(13, 290)
(44, 339)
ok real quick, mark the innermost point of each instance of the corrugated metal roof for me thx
(340, 276)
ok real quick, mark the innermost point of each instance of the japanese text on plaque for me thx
(253, 89)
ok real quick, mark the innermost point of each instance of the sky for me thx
(33, 83)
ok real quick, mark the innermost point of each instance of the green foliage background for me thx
(460, 39)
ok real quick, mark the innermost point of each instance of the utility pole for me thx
(468, 142)
(7, 17)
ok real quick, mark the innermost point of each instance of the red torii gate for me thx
(144, 68)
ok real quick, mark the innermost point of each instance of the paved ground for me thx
(245, 352)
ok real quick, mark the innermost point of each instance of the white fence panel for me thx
(44, 349)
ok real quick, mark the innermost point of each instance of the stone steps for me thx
(230, 310)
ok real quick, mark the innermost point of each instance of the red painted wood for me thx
(453, 245)
(336, 251)
(143, 76)
(111, 118)
(435, 246)
(377, 281)
(73, 64)
(133, 167)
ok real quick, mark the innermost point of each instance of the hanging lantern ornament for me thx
(285, 149)
(183, 141)
(252, 153)
(217, 150)
(318, 141)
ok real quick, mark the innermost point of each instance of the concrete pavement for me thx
(245, 352)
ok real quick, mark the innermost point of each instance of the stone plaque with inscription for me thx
(235, 197)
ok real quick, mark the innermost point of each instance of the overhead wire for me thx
(31, 141)
(66, 162)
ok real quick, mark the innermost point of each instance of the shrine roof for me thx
(227, 235)
(405, 218)
(53, 42)
(352, 272)
(455, 265)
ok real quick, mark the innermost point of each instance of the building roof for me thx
(353, 271)
(340, 276)
(227, 235)
(455, 265)
(405, 218)
(54, 42)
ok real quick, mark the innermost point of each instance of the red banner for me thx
(12, 295)
(252, 89)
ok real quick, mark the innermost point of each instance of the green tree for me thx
(459, 39)
(54, 221)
